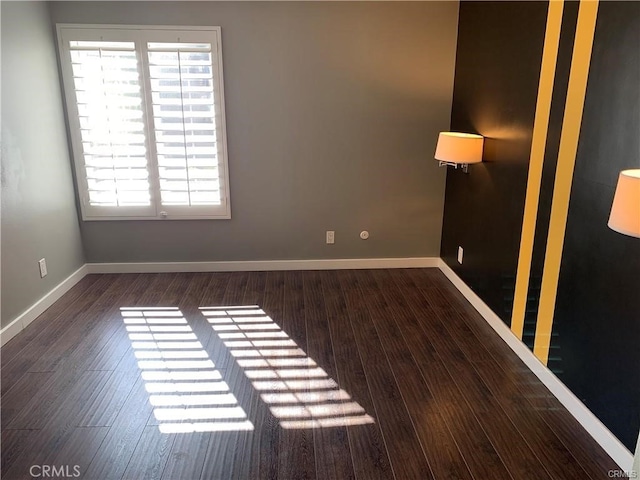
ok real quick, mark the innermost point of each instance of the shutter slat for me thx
(178, 46)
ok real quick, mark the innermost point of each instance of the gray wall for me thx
(38, 210)
(333, 110)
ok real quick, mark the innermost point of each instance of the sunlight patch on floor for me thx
(186, 390)
(300, 394)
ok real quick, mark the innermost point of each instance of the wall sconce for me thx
(625, 211)
(459, 149)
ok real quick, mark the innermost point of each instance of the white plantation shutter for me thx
(109, 103)
(146, 111)
(184, 116)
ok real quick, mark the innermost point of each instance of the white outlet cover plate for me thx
(43, 267)
(331, 237)
(460, 254)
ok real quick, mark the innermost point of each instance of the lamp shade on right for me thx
(625, 211)
(455, 147)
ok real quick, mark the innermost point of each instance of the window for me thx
(146, 115)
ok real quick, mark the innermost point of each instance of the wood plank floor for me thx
(279, 375)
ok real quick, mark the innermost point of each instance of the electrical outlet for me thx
(42, 263)
(460, 253)
(331, 237)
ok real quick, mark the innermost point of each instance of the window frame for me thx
(141, 35)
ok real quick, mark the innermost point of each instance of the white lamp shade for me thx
(625, 211)
(457, 147)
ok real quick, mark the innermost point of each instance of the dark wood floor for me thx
(332, 374)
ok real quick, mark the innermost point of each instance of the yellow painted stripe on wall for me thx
(536, 160)
(564, 174)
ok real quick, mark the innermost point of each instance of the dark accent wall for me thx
(596, 325)
(499, 54)
(597, 319)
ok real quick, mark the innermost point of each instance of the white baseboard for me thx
(17, 325)
(264, 265)
(616, 450)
